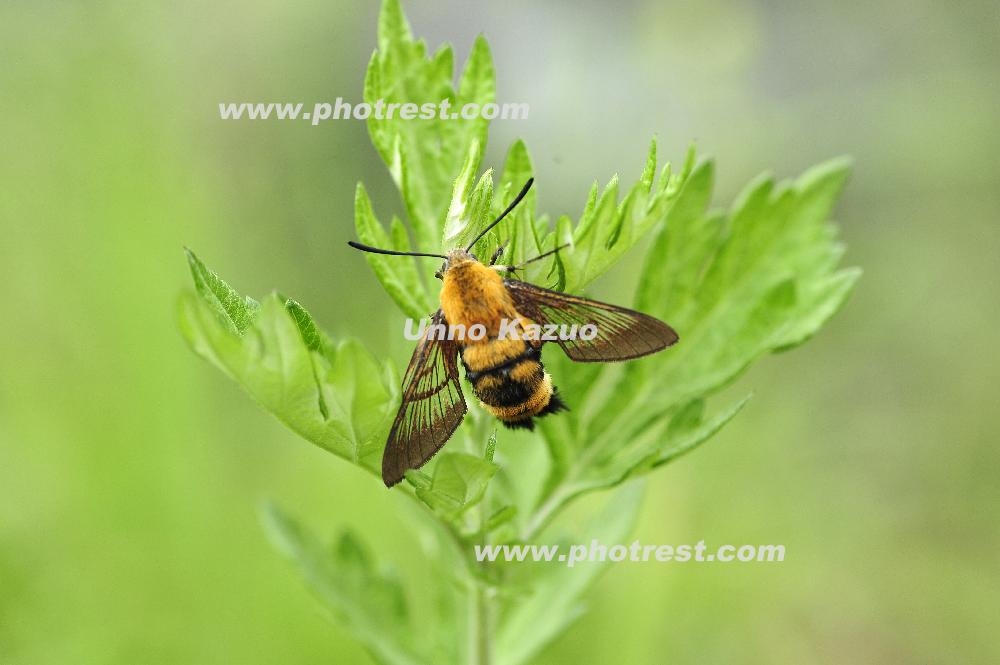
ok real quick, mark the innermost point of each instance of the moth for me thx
(505, 371)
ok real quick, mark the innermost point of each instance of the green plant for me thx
(757, 278)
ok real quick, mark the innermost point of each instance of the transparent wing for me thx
(622, 334)
(432, 406)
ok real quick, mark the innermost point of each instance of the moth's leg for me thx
(541, 256)
(498, 252)
(509, 269)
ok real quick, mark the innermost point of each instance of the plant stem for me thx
(483, 601)
(482, 628)
(544, 513)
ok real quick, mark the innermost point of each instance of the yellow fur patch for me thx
(524, 371)
(489, 382)
(488, 354)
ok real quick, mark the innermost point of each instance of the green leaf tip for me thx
(393, 28)
(236, 311)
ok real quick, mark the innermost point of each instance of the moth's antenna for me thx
(513, 204)
(391, 252)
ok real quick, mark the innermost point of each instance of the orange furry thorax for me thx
(474, 294)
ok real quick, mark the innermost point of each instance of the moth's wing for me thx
(432, 406)
(622, 334)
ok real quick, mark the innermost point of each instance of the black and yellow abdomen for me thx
(510, 382)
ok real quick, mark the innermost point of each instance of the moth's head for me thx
(455, 259)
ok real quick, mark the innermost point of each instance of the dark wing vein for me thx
(432, 406)
(622, 334)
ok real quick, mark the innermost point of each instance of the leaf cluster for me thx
(758, 277)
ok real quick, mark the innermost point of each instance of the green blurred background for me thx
(131, 471)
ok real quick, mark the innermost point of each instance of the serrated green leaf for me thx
(458, 483)
(518, 229)
(397, 274)
(688, 430)
(458, 231)
(681, 247)
(478, 81)
(426, 155)
(393, 28)
(608, 229)
(762, 278)
(336, 396)
(369, 602)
